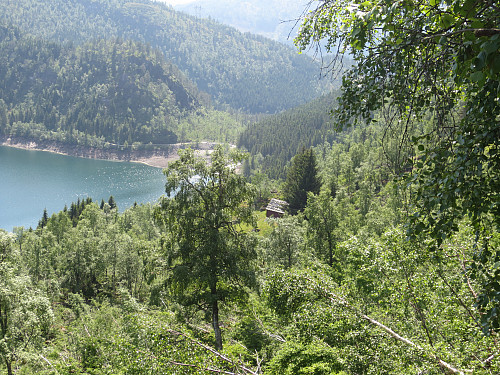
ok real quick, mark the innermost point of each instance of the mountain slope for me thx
(240, 70)
(111, 91)
(279, 137)
(273, 19)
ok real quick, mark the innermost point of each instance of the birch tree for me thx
(210, 255)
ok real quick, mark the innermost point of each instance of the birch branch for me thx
(336, 299)
(50, 364)
(200, 368)
(215, 352)
(182, 364)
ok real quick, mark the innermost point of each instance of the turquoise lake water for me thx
(31, 181)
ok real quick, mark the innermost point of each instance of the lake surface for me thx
(31, 181)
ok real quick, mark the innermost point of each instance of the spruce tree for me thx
(44, 220)
(112, 202)
(302, 177)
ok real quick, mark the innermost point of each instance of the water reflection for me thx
(33, 180)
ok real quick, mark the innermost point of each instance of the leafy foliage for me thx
(208, 254)
(415, 58)
(123, 303)
(361, 315)
(25, 313)
(285, 245)
(341, 289)
(323, 220)
(314, 358)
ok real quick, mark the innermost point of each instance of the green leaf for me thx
(443, 40)
(495, 66)
(447, 20)
(477, 24)
(491, 46)
(477, 76)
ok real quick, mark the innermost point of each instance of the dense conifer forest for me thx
(238, 70)
(109, 91)
(274, 140)
(387, 260)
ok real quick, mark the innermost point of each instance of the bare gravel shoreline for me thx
(154, 158)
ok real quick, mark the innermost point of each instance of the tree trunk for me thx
(215, 323)
(289, 247)
(330, 250)
(9, 367)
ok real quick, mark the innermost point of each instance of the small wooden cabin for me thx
(276, 208)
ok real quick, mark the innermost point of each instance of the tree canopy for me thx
(238, 70)
(341, 288)
(302, 178)
(208, 252)
(440, 59)
(130, 294)
(105, 92)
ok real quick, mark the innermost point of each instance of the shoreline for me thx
(152, 158)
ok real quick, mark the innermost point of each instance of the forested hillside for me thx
(387, 260)
(336, 289)
(239, 70)
(274, 140)
(106, 92)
